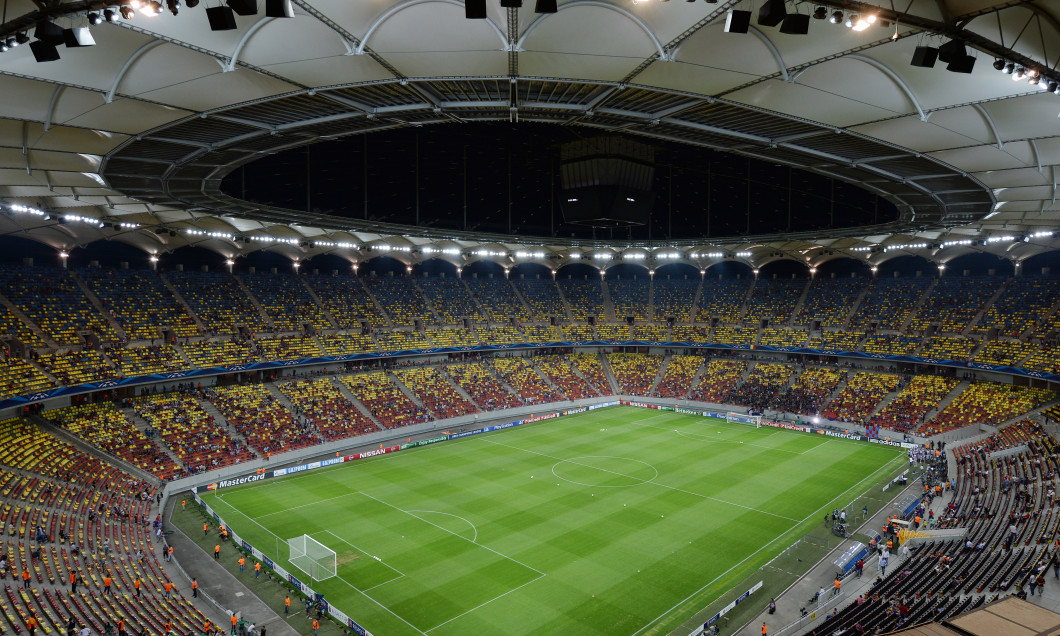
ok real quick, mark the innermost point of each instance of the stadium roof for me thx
(1010, 616)
(130, 139)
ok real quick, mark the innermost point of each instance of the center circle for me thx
(604, 471)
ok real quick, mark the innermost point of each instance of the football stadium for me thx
(591, 317)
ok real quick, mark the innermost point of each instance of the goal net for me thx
(312, 557)
(740, 418)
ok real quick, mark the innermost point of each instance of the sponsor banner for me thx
(580, 409)
(247, 546)
(540, 418)
(466, 434)
(268, 562)
(424, 442)
(604, 405)
(499, 427)
(785, 425)
(372, 453)
(728, 608)
(237, 481)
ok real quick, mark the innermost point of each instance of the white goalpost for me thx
(741, 418)
(312, 557)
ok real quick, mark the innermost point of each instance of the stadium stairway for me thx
(25, 320)
(142, 425)
(919, 305)
(409, 393)
(332, 323)
(609, 374)
(651, 297)
(799, 303)
(838, 389)
(488, 363)
(854, 306)
(982, 312)
(344, 391)
(375, 301)
(522, 300)
(951, 396)
(563, 299)
(660, 375)
(1029, 331)
(183, 303)
(605, 297)
(98, 306)
(435, 316)
(464, 394)
(474, 299)
(221, 421)
(544, 378)
(89, 449)
(254, 301)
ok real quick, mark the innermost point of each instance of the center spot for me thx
(604, 471)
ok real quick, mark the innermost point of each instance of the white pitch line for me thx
(354, 588)
(654, 483)
(449, 514)
(484, 547)
(817, 446)
(514, 589)
(364, 552)
(312, 503)
(797, 523)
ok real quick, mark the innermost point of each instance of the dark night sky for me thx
(465, 173)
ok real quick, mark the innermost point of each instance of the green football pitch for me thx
(617, 521)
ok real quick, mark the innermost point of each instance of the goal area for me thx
(741, 418)
(312, 557)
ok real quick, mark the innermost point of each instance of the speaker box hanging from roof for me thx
(952, 51)
(279, 9)
(221, 18)
(772, 13)
(961, 65)
(925, 56)
(737, 21)
(795, 24)
(475, 9)
(44, 51)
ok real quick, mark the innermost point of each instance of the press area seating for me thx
(139, 302)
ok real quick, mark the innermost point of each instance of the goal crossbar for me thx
(312, 557)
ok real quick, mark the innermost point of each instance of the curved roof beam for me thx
(231, 65)
(59, 89)
(774, 51)
(109, 96)
(603, 5)
(990, 122)
(389, 13)
(886, 70)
